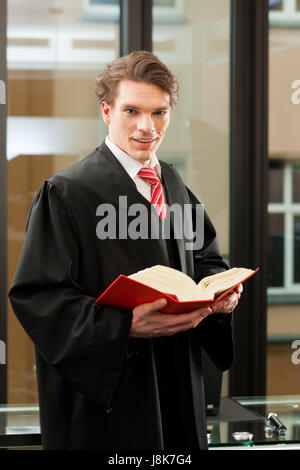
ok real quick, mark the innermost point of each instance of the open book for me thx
(181, 291)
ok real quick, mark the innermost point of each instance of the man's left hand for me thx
(228, 303)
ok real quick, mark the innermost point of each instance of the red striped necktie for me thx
(157, 198)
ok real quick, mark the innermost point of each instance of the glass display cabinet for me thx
(256, 422)
(246, 423)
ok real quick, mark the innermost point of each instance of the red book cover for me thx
(128, 293)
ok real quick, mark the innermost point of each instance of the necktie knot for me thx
(149, 175)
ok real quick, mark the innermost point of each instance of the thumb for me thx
(150, 307)
(158, 304)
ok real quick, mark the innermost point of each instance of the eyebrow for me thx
(132, 106)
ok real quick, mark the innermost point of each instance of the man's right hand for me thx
(148, 321)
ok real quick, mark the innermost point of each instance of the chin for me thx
(142, 158)
(141, 155)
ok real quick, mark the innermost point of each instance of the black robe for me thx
(98, 388)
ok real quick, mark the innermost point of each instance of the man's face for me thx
(138, 119)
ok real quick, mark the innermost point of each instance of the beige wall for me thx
(284, 116)
(284, 320)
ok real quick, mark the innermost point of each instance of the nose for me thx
(145, 123)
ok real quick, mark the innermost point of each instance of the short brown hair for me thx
(139, 66)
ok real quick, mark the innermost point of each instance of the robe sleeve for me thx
(85, 343)
(214, 333)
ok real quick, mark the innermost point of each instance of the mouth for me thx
(145, 143)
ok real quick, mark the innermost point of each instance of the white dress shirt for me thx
(133, 166)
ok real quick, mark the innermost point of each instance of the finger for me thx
(227, 304)
(155, 306)
(192, 319)
(158, 304)
(239, 289)
(230, 303)
(191, 324)
(200, 315)
(198, 318)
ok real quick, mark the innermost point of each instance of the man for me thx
(111, 378)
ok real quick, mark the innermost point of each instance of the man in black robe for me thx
(111, 378)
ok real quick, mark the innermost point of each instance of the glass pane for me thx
(195, 44)
(297, 249)
(194, 41)
(276, 250)
(276, 5)
(275, 181)
(103, 2)
(296, 182)
(53, 56)
(164, 3)
(283, 324)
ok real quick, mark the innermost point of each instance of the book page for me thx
(220, 282)
(172, 281)
(169, 280)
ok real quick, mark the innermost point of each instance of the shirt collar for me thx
(131, 165)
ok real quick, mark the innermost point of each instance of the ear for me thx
(106, 112)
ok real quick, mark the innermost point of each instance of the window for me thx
(163, 10)
(276, 5)
(197, 143)
(284, 13)
(53, 56)
(284, 227)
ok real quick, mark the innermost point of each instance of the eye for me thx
(160, 113)
(130, 111)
